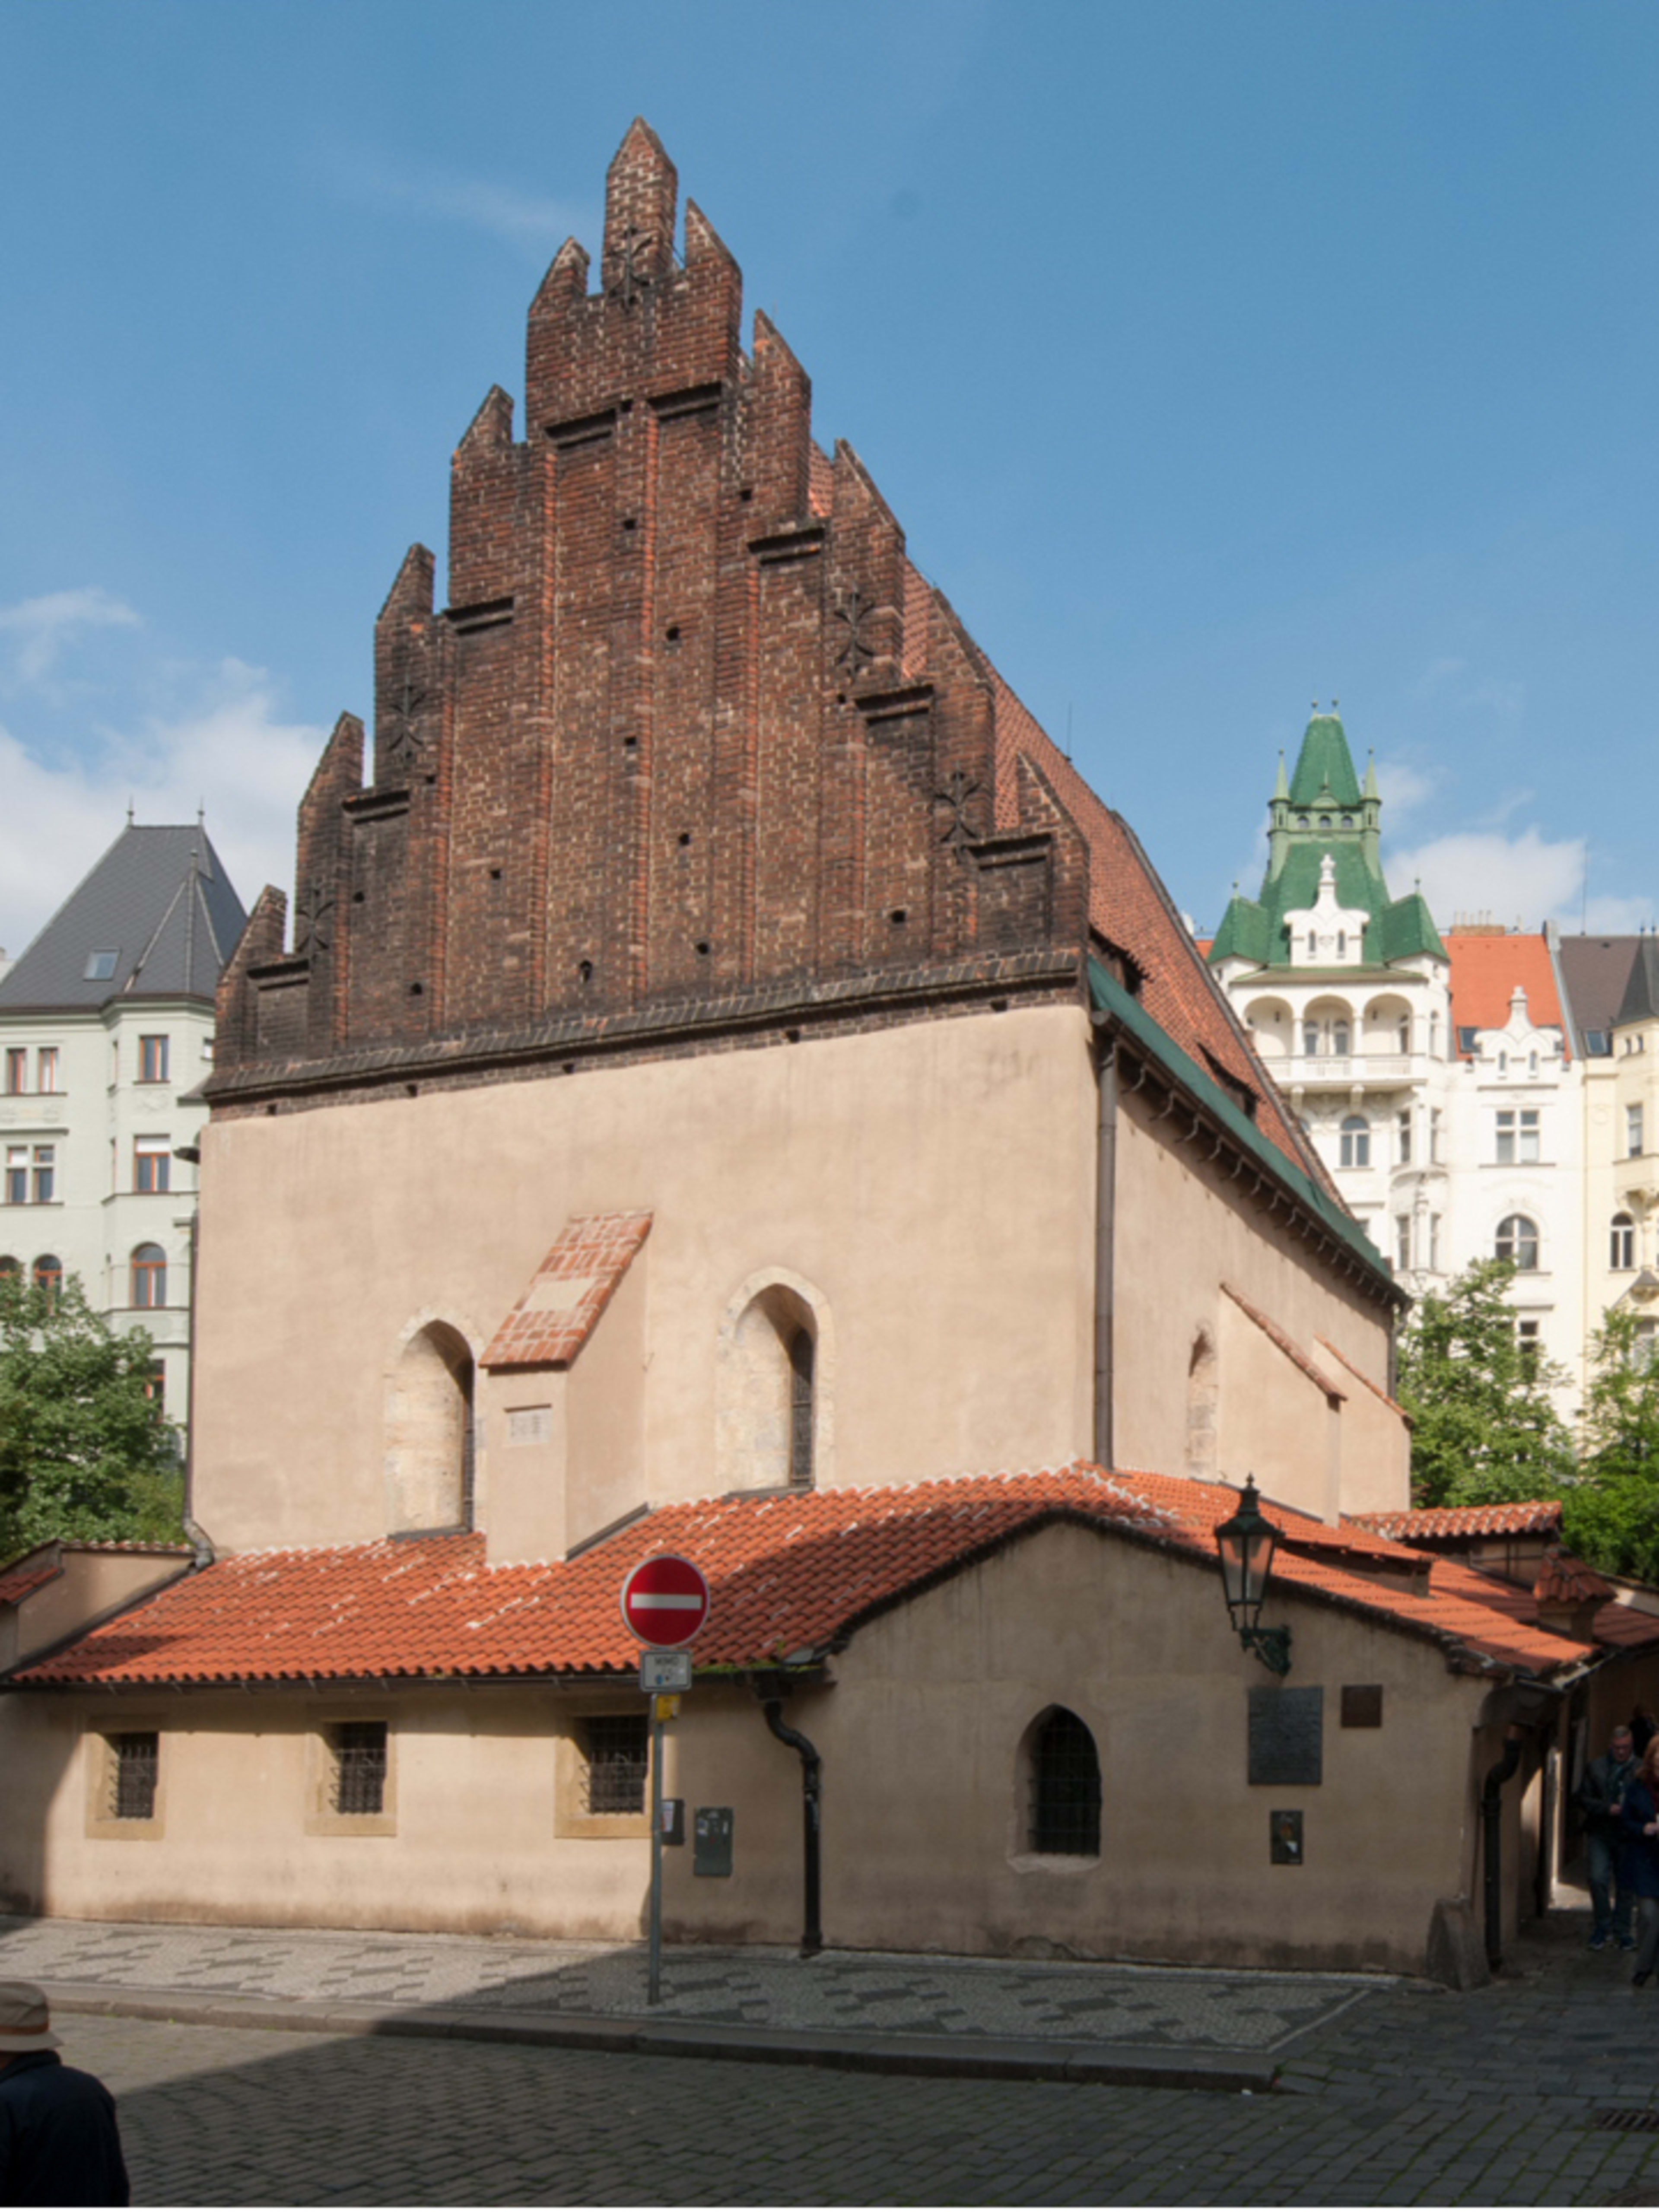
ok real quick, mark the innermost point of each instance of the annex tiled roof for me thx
(1485, 967)
(1563, 1580)
(569, 1292)
(1532, 1517)
(159, 901)
(28, 1575)
(790, 1576)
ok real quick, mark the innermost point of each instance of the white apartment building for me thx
(105, 1031)
(1436, 1076)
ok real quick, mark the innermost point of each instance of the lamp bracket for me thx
(1272, 1646)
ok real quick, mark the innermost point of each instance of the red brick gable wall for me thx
(690, 726)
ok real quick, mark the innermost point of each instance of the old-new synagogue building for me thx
(727, 1086)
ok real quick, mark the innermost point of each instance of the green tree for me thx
(1611, 1517)
(84, 1451)
(1485, 1430)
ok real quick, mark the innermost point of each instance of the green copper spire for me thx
(1324, 811)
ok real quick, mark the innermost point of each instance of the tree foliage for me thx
(1485, 1430)
(84, 1452)
(1611, 1517)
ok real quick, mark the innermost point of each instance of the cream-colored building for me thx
(730, 1089)
(1615, 985)
(106, 1034)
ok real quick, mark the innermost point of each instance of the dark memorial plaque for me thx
(1287, 1735)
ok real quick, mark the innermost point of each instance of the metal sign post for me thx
(661, 1596)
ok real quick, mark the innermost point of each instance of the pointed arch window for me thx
(1064, 1788)
(802, 1359)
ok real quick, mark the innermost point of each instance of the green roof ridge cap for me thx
(1112, 997)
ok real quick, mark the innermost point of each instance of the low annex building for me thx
(727, 1075)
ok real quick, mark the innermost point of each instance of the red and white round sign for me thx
(665, 1601)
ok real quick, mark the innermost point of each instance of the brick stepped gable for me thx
(692, 729)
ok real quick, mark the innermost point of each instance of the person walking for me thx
(1639, 1815)
(59, 2141)
(1600, 1793)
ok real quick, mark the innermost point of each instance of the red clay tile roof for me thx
(1484, 970)
(17, 1583)
(1291, 1349)
(569, 1292)
(1535, 1516)
(1563, 1580)
(789, 1575)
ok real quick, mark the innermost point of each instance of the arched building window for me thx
(1517, 1240)
(1356, 1141)
(1063, 1786)
(772, 1380)
(1621, 1242)
(430, 1432)
(10, 1266)
(49, 1274)
(150, 1278)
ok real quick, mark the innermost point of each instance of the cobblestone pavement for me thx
(1409, 2097)
(864, 1992)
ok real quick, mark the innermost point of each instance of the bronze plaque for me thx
(1362, 1705)
(1287, 1730)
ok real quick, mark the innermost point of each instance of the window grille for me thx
(1064, 1788)
(134, 1761)
(359, 1766)
(619, 1762)
(801, 1355)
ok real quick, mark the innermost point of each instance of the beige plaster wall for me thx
(934, 1183)
(924, 1818)
(1275, 1415)
(1183, 1228)
(93, 1583)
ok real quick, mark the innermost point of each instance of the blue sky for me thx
(1217, 355)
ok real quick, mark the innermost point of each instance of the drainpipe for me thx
(812, 1787)
(194, 1531)
(1492, 1822)
(1105, 1197)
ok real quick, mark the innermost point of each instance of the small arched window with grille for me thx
(150, 1277)
(1621, 1242)
(1518, 1241)
(1064, 1788)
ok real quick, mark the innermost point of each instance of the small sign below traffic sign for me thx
(666, 1672)
(665, 1601)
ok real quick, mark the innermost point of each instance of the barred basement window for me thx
(359, 1783)
(619, 1762)
(1064, 1787)
(134, 1761)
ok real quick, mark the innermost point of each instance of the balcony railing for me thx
(1314, 1068)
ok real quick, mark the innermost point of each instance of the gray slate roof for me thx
(161, 901)
(1641, 1000)
(1596, 971)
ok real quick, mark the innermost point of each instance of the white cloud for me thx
(227, 749)
(1436, 675)
(1404, 788)
(1525, 877)
(523, 218)
(43, 626)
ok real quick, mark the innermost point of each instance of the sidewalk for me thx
(1173, 2027)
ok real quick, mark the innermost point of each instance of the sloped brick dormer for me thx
(690, 726)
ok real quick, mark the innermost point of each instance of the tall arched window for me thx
(1341, 1037)
(1202, 1394)
(775, 1368)
(10, 1267)
(49, 1274)
(429, 1433)
(1517, 1240)
(1064, 1787)
(150, 1277)
(1622, 1241)
(1356, 1142)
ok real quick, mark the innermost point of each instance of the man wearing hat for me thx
(59, 2141)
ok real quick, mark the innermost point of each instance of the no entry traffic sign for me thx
(665, 1601)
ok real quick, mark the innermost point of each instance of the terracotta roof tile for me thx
(788, 1573)
(18, 1582)
(1533, 1516)
(1563, 1580)
(569, 1292)
(1485, 967)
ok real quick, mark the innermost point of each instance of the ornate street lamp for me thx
(1246, 1544)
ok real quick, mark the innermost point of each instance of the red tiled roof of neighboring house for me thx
(1485, 971)
(569, 1292)
(1563, 1580)
(790, 1575)
(1288, 1346)
(1532, 1517)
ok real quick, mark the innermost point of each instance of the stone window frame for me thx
(1022, 1857)
(571, 1818)
(98, 1738)
(322, 1773)
(731, 1418)
(394, 1377)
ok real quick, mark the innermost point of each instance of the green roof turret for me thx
(1324, 768)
